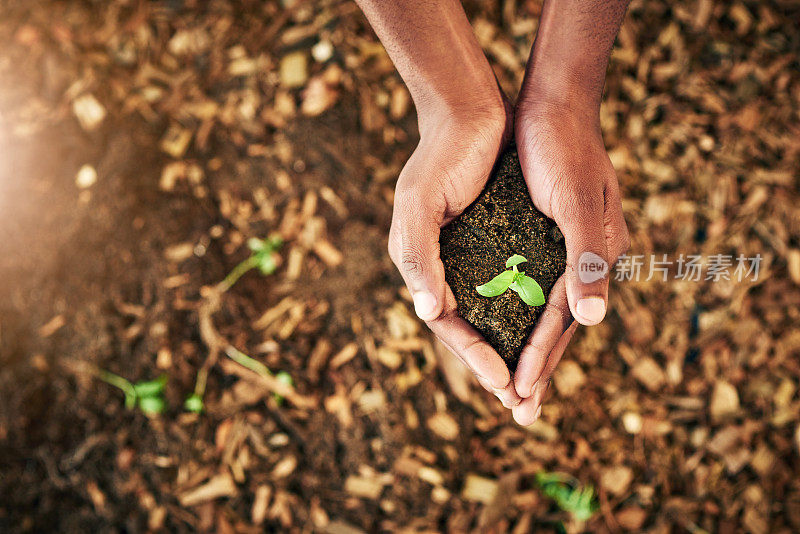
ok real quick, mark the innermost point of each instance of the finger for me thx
(507, 396)
(580, 215)
(468, 344)
(554, 359)
(552, 323)
(414, 248)
(529, 410)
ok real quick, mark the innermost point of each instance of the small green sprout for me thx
(569, 494)
(526, 287)
(194, 403)
(263, 257)
(148, 395)
(284, 378)
(259, 368)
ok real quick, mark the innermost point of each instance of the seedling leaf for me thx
(194, 403)
(266, 262)
(529, 291)
(150, 388)
(516, 259)
(569, 494)
(255, 244)
(284, 378)
(151, 405)
(497, 285)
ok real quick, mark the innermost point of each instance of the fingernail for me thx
(538, 413)
(425, 305)
(533, 389)
(591, 310)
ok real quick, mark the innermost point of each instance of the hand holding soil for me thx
(463, 122)
(446, 174)
(571, 180)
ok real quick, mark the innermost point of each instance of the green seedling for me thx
(526, 287)
(148, 395)
(263, 257)
(284, 378)
(194, 403)
(569, 494)
(257, 367)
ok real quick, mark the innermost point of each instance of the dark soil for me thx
(475, 246)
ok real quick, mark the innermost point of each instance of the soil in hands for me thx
(475, 246)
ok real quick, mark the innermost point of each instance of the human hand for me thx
(444, 175)
(572, 181)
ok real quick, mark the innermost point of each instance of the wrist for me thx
(478, 109)
(558, 102)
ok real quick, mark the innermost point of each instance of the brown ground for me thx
(682, 408)
(475, 246)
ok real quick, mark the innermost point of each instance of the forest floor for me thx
(142, 144)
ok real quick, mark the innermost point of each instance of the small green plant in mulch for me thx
(264, 257)
(526, 287)
(257, 367)
(569, 494)
(148, 396)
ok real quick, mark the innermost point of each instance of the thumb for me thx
(414, 248)
(580, 217)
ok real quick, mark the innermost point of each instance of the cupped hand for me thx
(445, 174)
(572, 181)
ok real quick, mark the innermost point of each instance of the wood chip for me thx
(793, 262)
(86, 177)
(632, 422)
(258, 512)
(347, 353)
(724, 401)
(294, 69)
(366, 488)
(569, 378)
(443, 426)
(284, 468)
(649, 374)
(340, 527)
(221, 485)
(329, 254)
(479, 489)
(89, 111)
(176, 141)
(631, 518)
(616, 480)
(52, 326)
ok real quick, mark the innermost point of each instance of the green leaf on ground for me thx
(152, 405)
(194, 403)
(150, 388)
